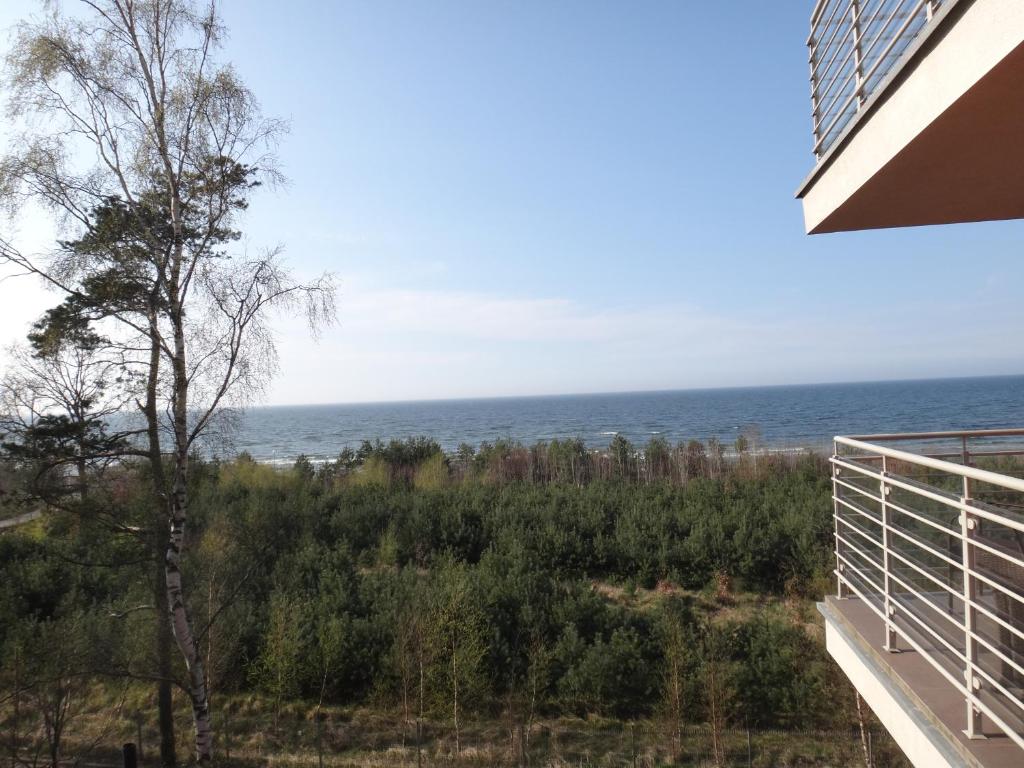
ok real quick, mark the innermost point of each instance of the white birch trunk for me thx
(181, 626)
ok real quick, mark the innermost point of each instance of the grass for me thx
(250, 733)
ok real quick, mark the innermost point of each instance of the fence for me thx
(853, 45)
(934, 545)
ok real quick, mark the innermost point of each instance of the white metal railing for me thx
(853, 45)
(933, 543)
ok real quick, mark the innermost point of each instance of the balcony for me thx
(928, 621)
(917, 107)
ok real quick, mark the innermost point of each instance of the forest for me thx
(502, 586)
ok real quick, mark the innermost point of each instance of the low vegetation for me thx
(503, 604)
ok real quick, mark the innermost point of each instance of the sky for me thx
(539, 197)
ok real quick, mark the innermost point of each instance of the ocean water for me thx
(805, 416)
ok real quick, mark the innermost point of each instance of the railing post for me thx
(858, 63)
(890, 605)
(842, 590)
(968, 530)
(815, 106)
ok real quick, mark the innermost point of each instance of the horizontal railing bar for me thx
(869, 602)
(953, 454)
(870, 561)
(852, 464)
(928, 576)
(947, 467)
(934, 633)
(976, 454)
(856, 489)
(889, 436)
(919, 595)
(978, 606)
(917, 541)
(877, 543)
(973, 473)
(992, 517)
(993, 649)
(854, 508)
(819, 7)
(858, 529)
(860, 510)
(860, 573)
(860, 533)
(1012, 559)
(996, 585)
(921, 518)
(863, 554)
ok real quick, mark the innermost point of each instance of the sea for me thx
(784, 418)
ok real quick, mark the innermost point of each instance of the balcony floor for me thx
(923, 685)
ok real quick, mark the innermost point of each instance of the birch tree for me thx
(677, 644)
(146, 149)
(718, 690)
(460, 645)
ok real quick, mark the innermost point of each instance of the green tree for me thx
(458, 636)
(678, 641)
(178, 144)
(279, 666)
(623, 456)
(719, 689)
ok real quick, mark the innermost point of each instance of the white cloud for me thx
(408, 344)
(499, 318)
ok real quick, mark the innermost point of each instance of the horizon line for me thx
(540, 396)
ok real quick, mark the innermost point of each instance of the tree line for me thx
(465, 592)
(569, 460)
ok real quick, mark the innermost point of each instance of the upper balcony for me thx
(928, 622)
(917, 110)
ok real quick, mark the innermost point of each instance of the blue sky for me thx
(546, 197)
